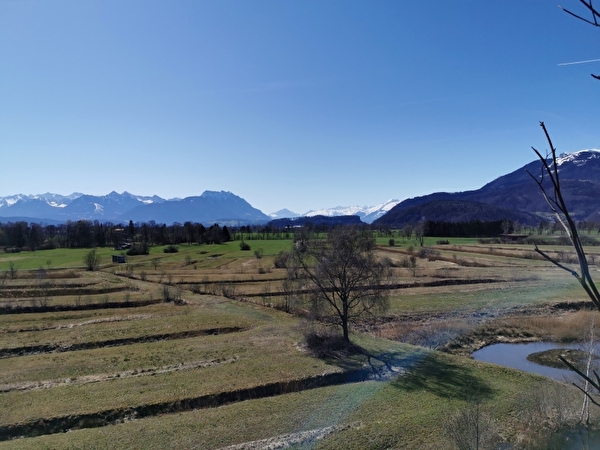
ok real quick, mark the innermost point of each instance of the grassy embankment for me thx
(87, 362)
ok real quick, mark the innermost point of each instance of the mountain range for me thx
(210, 207)
(512, 196)
(367, 214)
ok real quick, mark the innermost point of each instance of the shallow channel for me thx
(515, 356)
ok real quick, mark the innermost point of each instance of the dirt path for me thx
(85, 379)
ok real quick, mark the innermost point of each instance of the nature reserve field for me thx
(203, 349)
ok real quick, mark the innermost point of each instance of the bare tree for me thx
(421, 231)
(345, 278)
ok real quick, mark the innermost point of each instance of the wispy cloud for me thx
(579, 62)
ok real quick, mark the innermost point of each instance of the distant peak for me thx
(578, 157)
(216, 194)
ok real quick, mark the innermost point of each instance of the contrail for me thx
(579, 62)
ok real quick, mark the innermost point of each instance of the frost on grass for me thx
(287, 440)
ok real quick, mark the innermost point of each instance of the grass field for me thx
(114, 360)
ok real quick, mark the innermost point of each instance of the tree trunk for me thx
(345, 321)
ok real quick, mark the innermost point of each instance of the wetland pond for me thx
(515, 356)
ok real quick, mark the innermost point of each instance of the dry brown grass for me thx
(567, 327)
(75, 382)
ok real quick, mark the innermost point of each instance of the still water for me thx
(515, 356)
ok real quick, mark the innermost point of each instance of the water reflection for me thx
(515, 356)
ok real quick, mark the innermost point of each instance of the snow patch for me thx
(579, 158)
(366, 213)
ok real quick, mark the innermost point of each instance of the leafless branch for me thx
(593, 21)
(590, 7)
(594, 384)
(557, 204)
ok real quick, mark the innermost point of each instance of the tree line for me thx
(87, 234)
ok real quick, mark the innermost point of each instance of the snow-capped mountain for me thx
(283, 214)
(210, 207)
(366, 213)
(579, 158)
(53, 200)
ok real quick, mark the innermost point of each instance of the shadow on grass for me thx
(410, 370)
(350, 357)
(444, 378)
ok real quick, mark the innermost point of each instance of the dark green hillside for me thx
(452, 211)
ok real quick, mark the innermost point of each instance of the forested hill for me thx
(453, 211)
(315, 221)
(515, 196)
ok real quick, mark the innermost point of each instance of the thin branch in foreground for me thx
(557, 204)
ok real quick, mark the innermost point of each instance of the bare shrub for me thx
(325, 344)
(228, 290)
(471, 428)
(166, 293)
(545, 411)
(436, 335)
(143, 275)
(196, 288)
(178, 295)
(91, 260)
(387, 262)
(291, 293)
(281, 259)
(410, 262)
(266, 291)
(210, 288)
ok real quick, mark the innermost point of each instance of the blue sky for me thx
(293, 104)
